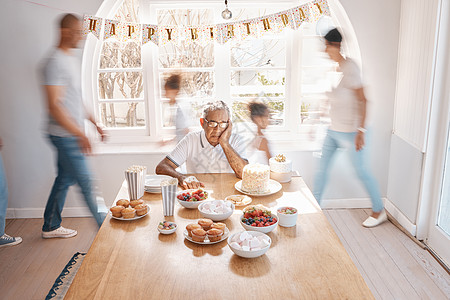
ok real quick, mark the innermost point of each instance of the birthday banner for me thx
(221, 33)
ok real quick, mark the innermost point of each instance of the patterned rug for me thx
(64, 280)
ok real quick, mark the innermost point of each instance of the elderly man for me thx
(212, 150)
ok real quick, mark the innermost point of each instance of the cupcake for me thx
(141, 209)
(198, 235)
(205, 223)
(133, 203)
(123, 202)
(219, 225)
(117, 211)
(191, 227)
(128, 213)
(214, 234)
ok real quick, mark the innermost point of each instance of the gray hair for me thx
(215, 105)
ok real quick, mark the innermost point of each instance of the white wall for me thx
(28, 31)
(29, 161)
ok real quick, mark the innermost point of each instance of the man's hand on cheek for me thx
(225, 136)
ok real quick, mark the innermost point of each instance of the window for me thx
(288, 71)
(121, 101)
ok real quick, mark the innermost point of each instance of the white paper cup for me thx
(169, 194)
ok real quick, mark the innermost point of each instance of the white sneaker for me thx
(61, 232)
(372, 222)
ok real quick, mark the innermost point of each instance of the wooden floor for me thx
(393, 266)
(28, 270)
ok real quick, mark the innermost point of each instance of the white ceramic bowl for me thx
(187, 204)
(213, 216)
(168, 231)
(265, 229)
(249, 254)
(287, 220)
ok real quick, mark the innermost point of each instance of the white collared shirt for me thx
(202, 157)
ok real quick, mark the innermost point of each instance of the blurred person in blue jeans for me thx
(348, 115)
(66, 115)
(5, 240)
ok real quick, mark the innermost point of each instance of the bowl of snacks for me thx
(287, 216)
(216, 210)
(249, 244)
(191, 198)
(258, 218)
(166, 227)
(239, 200)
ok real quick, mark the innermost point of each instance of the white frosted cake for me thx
(255, 178)
(280, 168)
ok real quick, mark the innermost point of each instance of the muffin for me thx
(141, 209)
(191, 227)
(205, 223)
(219, 225)
(133, 203)
(214, 234)
(128, 213)
(123, 202)
(198, 235)
(117, 211)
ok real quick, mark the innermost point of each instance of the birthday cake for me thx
(255, 178)
(280, 168)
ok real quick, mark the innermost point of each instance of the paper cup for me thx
(169, 194)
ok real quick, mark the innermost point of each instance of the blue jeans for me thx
(72, 169)
(346, 140)
(3, 197)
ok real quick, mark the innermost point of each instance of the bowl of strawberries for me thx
(191, 198)
(258, 218)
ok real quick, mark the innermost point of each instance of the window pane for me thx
(120, 85)
(120, 55)
(254, 83)
(241, 114)
(192, 55)
(128, 11)
(122, 114)
(186, 17)
(193, 84)
(257, 53)
(276, 112)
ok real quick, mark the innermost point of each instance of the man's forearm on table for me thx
(236, 162)
(165, 169)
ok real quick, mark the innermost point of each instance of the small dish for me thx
(287, 216)
(239, 200)
(164, 224)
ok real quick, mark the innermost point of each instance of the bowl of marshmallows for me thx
(216, 210)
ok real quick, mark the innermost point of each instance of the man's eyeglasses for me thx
(214, 124)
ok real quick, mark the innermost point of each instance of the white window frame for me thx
(154, 131)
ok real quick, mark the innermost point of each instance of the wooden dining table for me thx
(132, 260)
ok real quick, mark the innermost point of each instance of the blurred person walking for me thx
(348, 115)
(259, 150)
(66, 115)
(176, 115)
(5, 240)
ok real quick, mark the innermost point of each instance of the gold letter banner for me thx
(112, 29)
(130, 32)
(149, 33)
(319, 8)
(92, 25)
(204, 33)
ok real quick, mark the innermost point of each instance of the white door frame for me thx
(436, 149)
